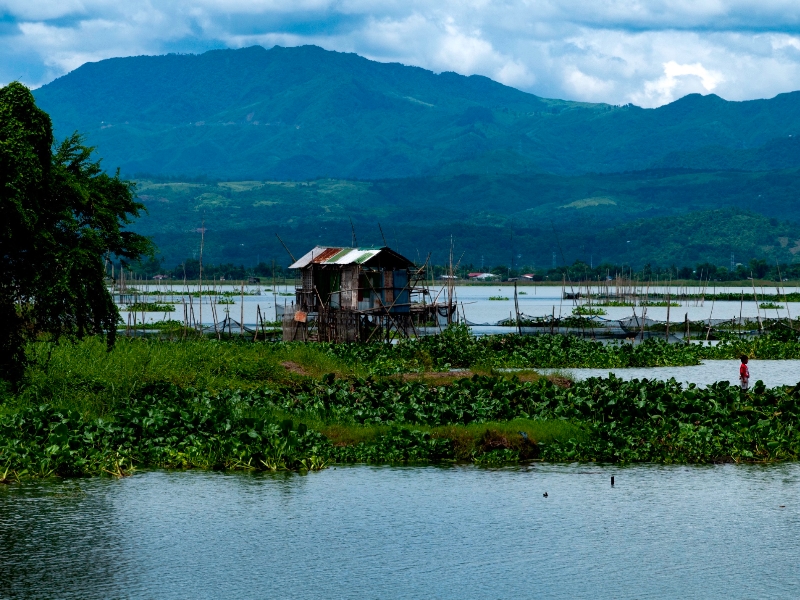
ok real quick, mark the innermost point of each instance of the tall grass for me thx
(87, 377)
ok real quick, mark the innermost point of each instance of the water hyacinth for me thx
(608, 420)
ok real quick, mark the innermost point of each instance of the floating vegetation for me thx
(618, 303)
(489, 420)
(769, 305)
(660, 303)
(457, 348)
(498, 297)
(588, 311)
(149, 307)
(165, 326)
(270, 406)
(630, 303)
(733, 297)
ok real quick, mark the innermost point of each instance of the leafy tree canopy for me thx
(63, 217)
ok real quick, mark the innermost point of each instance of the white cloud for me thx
(583, 85)
(643, 51)
(678, 80)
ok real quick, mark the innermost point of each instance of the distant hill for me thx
(302, 113)
(657, 217)
(782, 153)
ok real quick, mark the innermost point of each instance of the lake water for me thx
(771, 372)
(537, 301)
(437, 532)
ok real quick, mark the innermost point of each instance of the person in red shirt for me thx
(744, 374)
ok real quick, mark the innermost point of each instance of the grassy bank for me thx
(237, 405)
(84, 376)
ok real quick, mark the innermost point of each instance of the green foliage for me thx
(489, 156)
(244, 405)
(456, 347)
(488, 420)
(665, 422)
(162, 426)
(85, 376)
(589, 311)
(62, 216)
(780, 344)
(694, 228)
(659, 303)
(151, 307)
(399, 445)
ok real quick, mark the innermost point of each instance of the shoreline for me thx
(274, 406)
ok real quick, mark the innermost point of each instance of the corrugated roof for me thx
(329, 255)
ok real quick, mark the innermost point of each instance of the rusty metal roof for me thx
(330, 255)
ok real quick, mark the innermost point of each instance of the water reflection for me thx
(409, 533)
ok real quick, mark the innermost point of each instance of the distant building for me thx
(159, 277)
(357, 294)
(528, 276)
(482, 276)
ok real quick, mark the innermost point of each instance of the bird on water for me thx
(545, 494)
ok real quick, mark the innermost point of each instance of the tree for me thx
(63, 217)
(759, 268)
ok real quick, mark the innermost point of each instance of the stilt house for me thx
(350, 294)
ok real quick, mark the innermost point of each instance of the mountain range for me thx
(304, 112)
(304, 141)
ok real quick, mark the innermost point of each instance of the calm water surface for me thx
(772, 372)
(536, 301)
(364, 532)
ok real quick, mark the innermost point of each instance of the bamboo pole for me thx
(644, 316)
(669, 304)
(687, 333)
(755, 298)
(713, 299)
(274, 291)
(258, 319)
(202, 243)
(741, 305)
(788, 314)
(213, 306)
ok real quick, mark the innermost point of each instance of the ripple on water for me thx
(710, 532)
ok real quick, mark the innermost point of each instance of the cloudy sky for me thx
(648, 52)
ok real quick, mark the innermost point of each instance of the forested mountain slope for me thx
(304, 112)
(657, 217)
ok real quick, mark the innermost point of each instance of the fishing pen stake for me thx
(612, 481)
